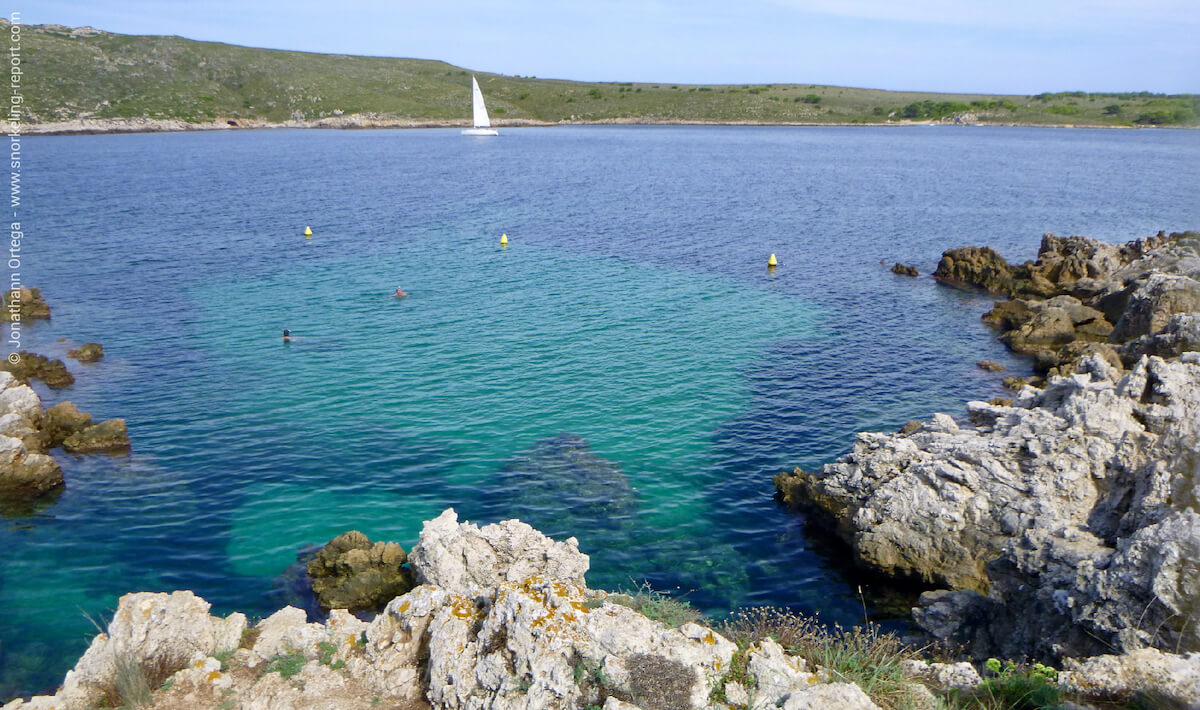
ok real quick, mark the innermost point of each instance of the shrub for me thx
(657, 606)
(811, 99)
(286, 664)
(658, 682)
(594, 93)
(865, 656)
(1008, 687)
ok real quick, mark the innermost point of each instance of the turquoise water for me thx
(626, 371)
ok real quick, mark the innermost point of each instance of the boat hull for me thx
(480, 132)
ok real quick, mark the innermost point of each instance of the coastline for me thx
(104, 126)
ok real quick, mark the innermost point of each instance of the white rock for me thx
(777, 673)
(164, 630)
(459, 558)
(961, 676)
(843, 696)
(1171, 676)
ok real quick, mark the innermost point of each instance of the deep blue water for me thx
(627, 371)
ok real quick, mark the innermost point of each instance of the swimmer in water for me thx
(400, 292)
(287, 335)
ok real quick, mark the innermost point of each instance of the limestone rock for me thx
(160, 632)
(1165, 676)
(980, 267)
(88, 352)
(25, 304)
(960, 676)
(844, 696)
(990, 366)
(353, 573)
(1152, 302)
(106, 437)
(31, 365)
(461, 557)
(1180, 335)
(1070, 508)
(904, 270)
(61, 421)
(25, 473)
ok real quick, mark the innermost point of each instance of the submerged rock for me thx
(106, 437)
(353, 573)
(560, 485)
(88, 352)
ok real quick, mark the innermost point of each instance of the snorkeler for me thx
(287, 335)
(400, 292)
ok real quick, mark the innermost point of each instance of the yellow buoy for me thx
(503, 240)
(307, 231)
(771, 261)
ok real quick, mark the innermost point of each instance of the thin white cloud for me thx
(1012, 14)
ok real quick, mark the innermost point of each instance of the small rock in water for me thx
(88, 352)
(106, 437)
(904, 270)
(25, 304)
(353, 573)
(990, 366)
(31, 365)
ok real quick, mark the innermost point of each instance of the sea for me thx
(627, 370)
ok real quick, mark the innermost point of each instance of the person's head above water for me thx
(287, 333)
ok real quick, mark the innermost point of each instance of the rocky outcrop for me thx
(980, 267)
(106, 437)
(504, 633)
(60, 422)
(461, 556)
(904, 270)
(88, 352)
(353, 573)
(24, 468)
(1084, 291)
(1067, 520)
(25, 304)
(31, 365)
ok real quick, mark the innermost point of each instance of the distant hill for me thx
(76, 73)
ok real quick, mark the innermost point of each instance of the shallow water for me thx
(626, 371)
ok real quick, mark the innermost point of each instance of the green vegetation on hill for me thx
(84, 73)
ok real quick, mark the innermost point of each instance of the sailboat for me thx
(481, 126)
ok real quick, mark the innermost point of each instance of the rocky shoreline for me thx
(1064, 522)
(92, 126)
(501, 617)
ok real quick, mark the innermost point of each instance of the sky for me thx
(960, 46)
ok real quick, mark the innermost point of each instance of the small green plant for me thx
(223, 657)
(167, 684)
(1009, 687)
(657, 606)
(249, 637)
(286, 664)
(594, 93)
(325, 652)
(133, 689)
(226, 704)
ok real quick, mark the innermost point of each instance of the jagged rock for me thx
(904, 270)
(1152, 302)
(161, 633)
(31, 365)
(1036, 504)
(106, 437)
(1049, 328)
(25, 304)
(1172, 680)
(88, 352)
(351, 572)
(61, 421)
(1069, 356)
(959, 676)
(981, 267)
(1180, 335)
(990, 366)
(844, 696)
(24, 470)
(461, 557)
(25, 473)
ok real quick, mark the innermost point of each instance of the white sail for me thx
(480, 111)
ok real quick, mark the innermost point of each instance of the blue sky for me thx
(993, 46)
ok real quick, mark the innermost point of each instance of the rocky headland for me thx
(501, 617)
(1067, 521)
